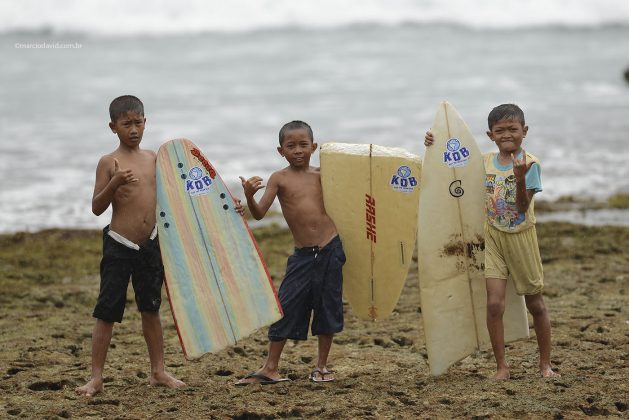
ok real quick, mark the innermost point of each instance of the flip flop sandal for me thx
(261, 379)
(317, 375)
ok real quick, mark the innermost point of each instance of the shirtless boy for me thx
(125, 179)
(314, 279)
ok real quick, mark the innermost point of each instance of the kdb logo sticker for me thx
(403, 181)
(197, 182)
(455, 155)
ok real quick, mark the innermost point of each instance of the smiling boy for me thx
(513, 177)
(313, 282)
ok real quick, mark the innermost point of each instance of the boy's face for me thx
(508, 135)
(129, 128)
(297, 147)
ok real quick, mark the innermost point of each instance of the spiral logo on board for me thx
(455, 189)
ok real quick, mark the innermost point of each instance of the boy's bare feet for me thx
(91, 388)
(548, 372)
(502, 374)
(165, 379)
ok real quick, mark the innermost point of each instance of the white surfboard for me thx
(451, 247)
(371, 192)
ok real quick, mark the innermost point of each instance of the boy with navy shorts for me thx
(313, 283)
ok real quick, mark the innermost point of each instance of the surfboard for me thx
(218, 286)
(450, 248)
(371, 193)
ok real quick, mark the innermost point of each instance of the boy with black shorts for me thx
(314, 281)
(125, 179)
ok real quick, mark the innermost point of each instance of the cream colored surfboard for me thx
(451, 247)
(371, 192)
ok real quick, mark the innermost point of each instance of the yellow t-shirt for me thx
(500, 188)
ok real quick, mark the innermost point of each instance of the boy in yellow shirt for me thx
(511, 249)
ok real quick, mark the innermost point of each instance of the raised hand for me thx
(122, 176)
(251, 185)
(429, 139)
(520, 166)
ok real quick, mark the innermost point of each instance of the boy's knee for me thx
(535, 305)
(495, 307)
(537, 308)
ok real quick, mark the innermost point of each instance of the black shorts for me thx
(313, 283)
(118, 264)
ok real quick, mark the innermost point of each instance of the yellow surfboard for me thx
(371, 192)
(451, 245)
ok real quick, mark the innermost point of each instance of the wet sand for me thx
(49, 284)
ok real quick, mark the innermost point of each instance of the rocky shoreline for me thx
(49, 281)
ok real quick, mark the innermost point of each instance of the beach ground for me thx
(49, 285)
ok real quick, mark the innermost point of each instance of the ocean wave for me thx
(158, 17)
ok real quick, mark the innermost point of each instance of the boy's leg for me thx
(152, 330)
(273, 359)
(325, 343)
(321, 373)
(294, 296)
(496, 289)
(269, 369)
(101, 337)
(328, 309)
(537, 308)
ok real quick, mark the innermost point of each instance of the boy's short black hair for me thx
(295, 125)
(505, 112)
(123, 104)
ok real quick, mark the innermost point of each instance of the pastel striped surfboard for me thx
(218, 286)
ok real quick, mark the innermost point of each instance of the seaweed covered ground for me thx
(49, 283)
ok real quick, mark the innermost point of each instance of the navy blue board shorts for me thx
(313, 284)
(122, 261)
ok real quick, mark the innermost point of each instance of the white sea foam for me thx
(156, 17)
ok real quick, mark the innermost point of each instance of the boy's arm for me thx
(523, 196)
(251, 186)
(107, 182)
